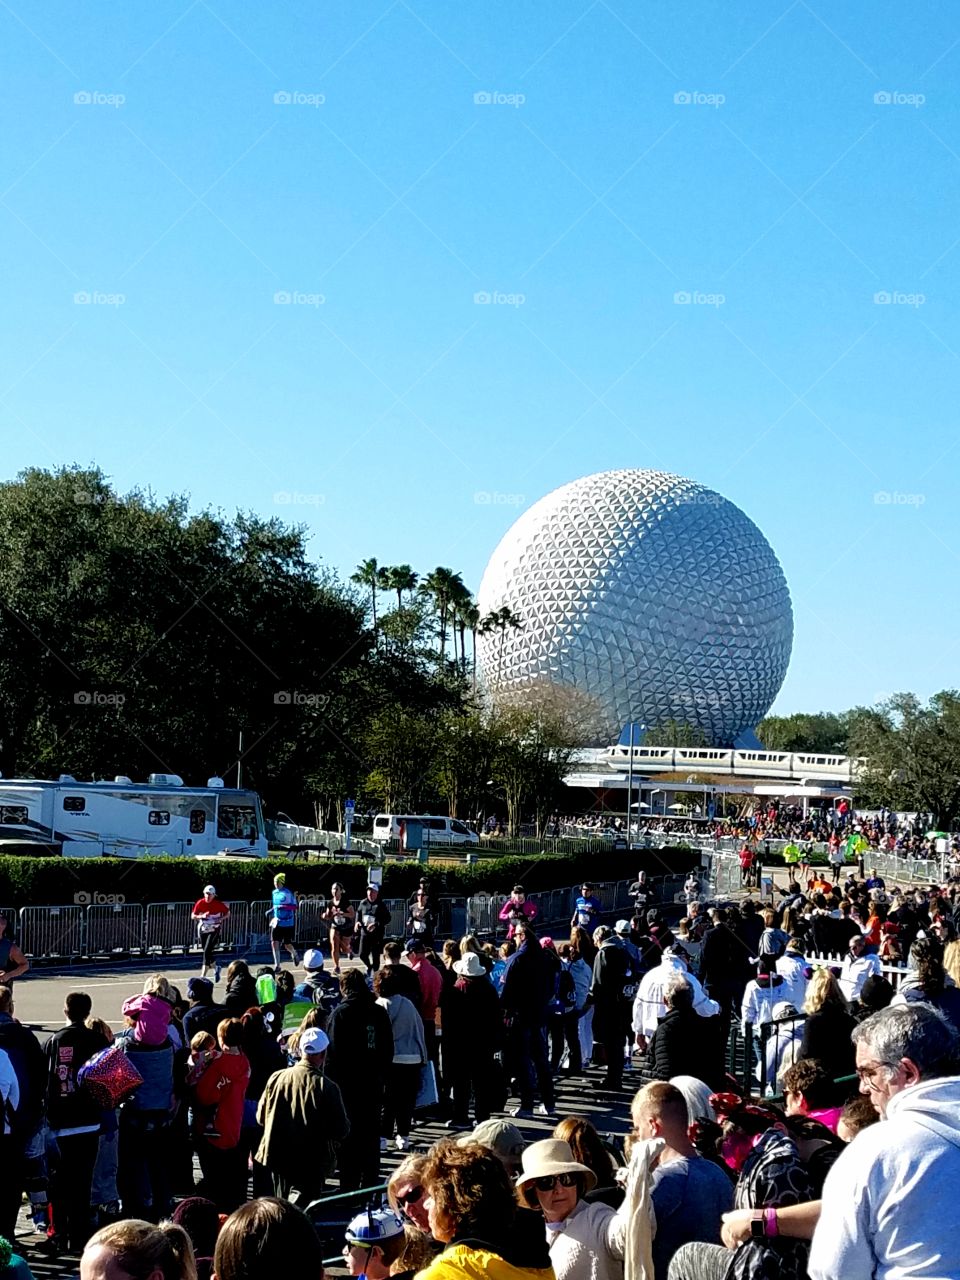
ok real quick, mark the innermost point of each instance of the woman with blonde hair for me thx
(951, 961)
(138, 1250)
(405, 1193)
(827, 1030)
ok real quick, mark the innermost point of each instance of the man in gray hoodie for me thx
(889, 1202)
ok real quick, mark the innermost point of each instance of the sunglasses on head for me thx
(548, 1182)
(411, 1196)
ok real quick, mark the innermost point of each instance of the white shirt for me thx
(649, 1005)
(854, 973)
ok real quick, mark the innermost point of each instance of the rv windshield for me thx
(236, 822)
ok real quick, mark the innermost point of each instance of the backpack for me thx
(566, 991)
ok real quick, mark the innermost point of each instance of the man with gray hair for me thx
(889, 1203)
(649, 1006)
(682, 1044)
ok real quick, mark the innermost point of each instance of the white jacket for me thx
(855, 972)
(588, 1245)
(791, 967)
(889, 1203)
(649, 1006)
(9, 1089)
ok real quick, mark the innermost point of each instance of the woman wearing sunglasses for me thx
(405, 1192)
(585, 1240)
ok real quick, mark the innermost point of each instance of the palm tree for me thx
(461, 602)
(399, 578)
(369, 574)
(500, 620)
(444, 586)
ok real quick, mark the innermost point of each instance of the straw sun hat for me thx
(549, 1157)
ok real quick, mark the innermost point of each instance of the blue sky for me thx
(188, 166)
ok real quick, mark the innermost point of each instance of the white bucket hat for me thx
(550, 1157)
(470, 966)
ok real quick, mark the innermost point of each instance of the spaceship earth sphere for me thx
(647, 593)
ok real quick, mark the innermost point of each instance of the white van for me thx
(436, 829)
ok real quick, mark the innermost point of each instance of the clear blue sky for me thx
(381, 411)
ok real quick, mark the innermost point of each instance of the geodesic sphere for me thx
(653, 597)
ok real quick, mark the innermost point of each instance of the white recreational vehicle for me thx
(125, 819)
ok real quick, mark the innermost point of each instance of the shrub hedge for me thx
(28, 882)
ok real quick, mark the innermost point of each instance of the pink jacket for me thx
(507, 912)
(152, 1015)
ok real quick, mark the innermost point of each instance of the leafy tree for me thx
(533, 751)
(820, 731)
(399, 744)
(675, 733)
(444, 587)
(912, 754)
(464, 749)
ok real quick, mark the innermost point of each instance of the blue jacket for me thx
(155, 1064)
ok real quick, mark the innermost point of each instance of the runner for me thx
(13, 963)
(373, 916)
(209, 913)
(283, 916)
(341, 915)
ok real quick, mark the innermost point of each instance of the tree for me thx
(531, 757)
(464, 749)
(399, 578)
(463, 614)
(369, 574)
(443, 586)
(912, 754)
(820, 731)
(675, 733)
(500, 621)
(399, 745)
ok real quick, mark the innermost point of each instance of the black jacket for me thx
(472, 1019)
(721, 963)
(241, 995)
(27, 1060)
(203, 1017)
(826, 1036)
(361, 1047)
(528, 985)
(679, 1048)
(69, 1106)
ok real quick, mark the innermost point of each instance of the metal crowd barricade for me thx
(168, 927)
(258, 925)
(52, 931)
(310, 925)
(113, 927)
(483, 912)
(779, 1047)
(399, 909)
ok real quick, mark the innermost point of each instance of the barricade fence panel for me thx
(52, 931)
(113, 927)
(168, 927)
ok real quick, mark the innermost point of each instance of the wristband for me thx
(770, 1225)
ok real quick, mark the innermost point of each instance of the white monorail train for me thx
(791, 766)
(125, 819)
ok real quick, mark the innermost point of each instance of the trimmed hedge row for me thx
(26, 882)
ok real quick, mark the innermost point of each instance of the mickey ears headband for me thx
(730, 1106)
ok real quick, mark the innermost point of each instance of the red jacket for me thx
(431, 984)
(224, 1085)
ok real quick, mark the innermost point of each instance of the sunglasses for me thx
(410, 1197)
(549, 1182)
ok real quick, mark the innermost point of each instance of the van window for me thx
(74, 804)
(382, 821)
(158, 818)
(459, 828)
(198, 822)
(435, 824)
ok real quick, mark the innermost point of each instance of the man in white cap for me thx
(649, 1006)
(304, 1122)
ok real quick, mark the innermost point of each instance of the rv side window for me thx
(74, 804)
(12, 814)
(159, 818)
(236, 822)
(198, 822)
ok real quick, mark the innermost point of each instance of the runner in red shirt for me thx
(210, 913)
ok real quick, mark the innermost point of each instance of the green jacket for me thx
(303, 1123)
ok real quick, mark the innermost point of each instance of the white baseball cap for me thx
(208, 888)
(313, 1040)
